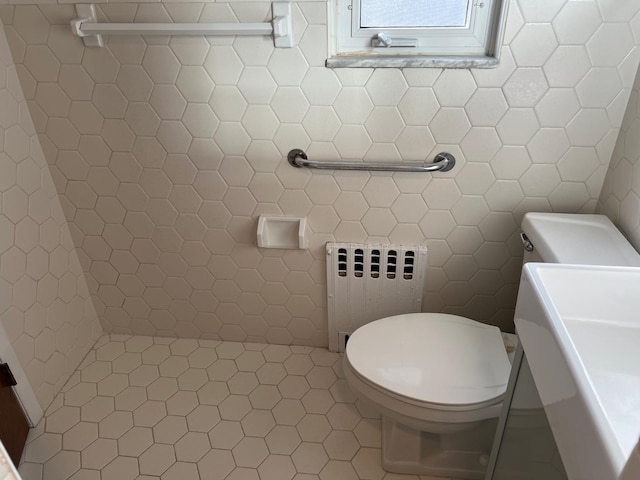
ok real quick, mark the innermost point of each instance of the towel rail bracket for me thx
(443, 162)
(87, 27)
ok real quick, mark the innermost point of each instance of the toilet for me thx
(438, 380)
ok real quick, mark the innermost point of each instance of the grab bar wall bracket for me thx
(442, 162)
(87, 27)
(282, 24)
(86, 15)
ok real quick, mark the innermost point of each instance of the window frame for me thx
(476, 46)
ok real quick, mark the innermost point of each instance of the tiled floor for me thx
(161, 408)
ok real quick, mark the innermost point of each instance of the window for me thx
(404, 33)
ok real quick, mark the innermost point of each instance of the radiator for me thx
(367, 282)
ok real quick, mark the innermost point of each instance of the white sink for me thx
(580, 328)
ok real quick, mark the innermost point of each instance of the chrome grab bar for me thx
(442, 162)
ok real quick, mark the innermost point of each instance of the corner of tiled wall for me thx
(620, 198)
(45, 305)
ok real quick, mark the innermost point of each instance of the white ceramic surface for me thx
(578, 238)
(580, 328)
(433, 358)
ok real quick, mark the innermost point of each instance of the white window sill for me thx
(410, 61)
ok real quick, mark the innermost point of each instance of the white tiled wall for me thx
(165, 150)
(620, 198)
(45, 306)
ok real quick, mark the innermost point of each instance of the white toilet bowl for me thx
(438, 381)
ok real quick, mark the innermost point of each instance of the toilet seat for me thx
(430, 361)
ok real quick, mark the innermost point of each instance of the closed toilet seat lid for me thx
(432, 357)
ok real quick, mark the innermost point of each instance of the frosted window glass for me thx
(413, 13)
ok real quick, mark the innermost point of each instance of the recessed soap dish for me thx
(282, 232)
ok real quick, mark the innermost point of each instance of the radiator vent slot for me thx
(358, 263)
(342, 262)
(408, 265)
(367, 282)
(375, 263)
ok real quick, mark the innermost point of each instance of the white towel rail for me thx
(87, 27)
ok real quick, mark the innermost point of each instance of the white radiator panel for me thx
(367, 282)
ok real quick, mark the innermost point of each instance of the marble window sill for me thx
(410, 61)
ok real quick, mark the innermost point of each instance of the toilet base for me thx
(456, 455)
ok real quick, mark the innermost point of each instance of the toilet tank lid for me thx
(433, 358)
(578, 238)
